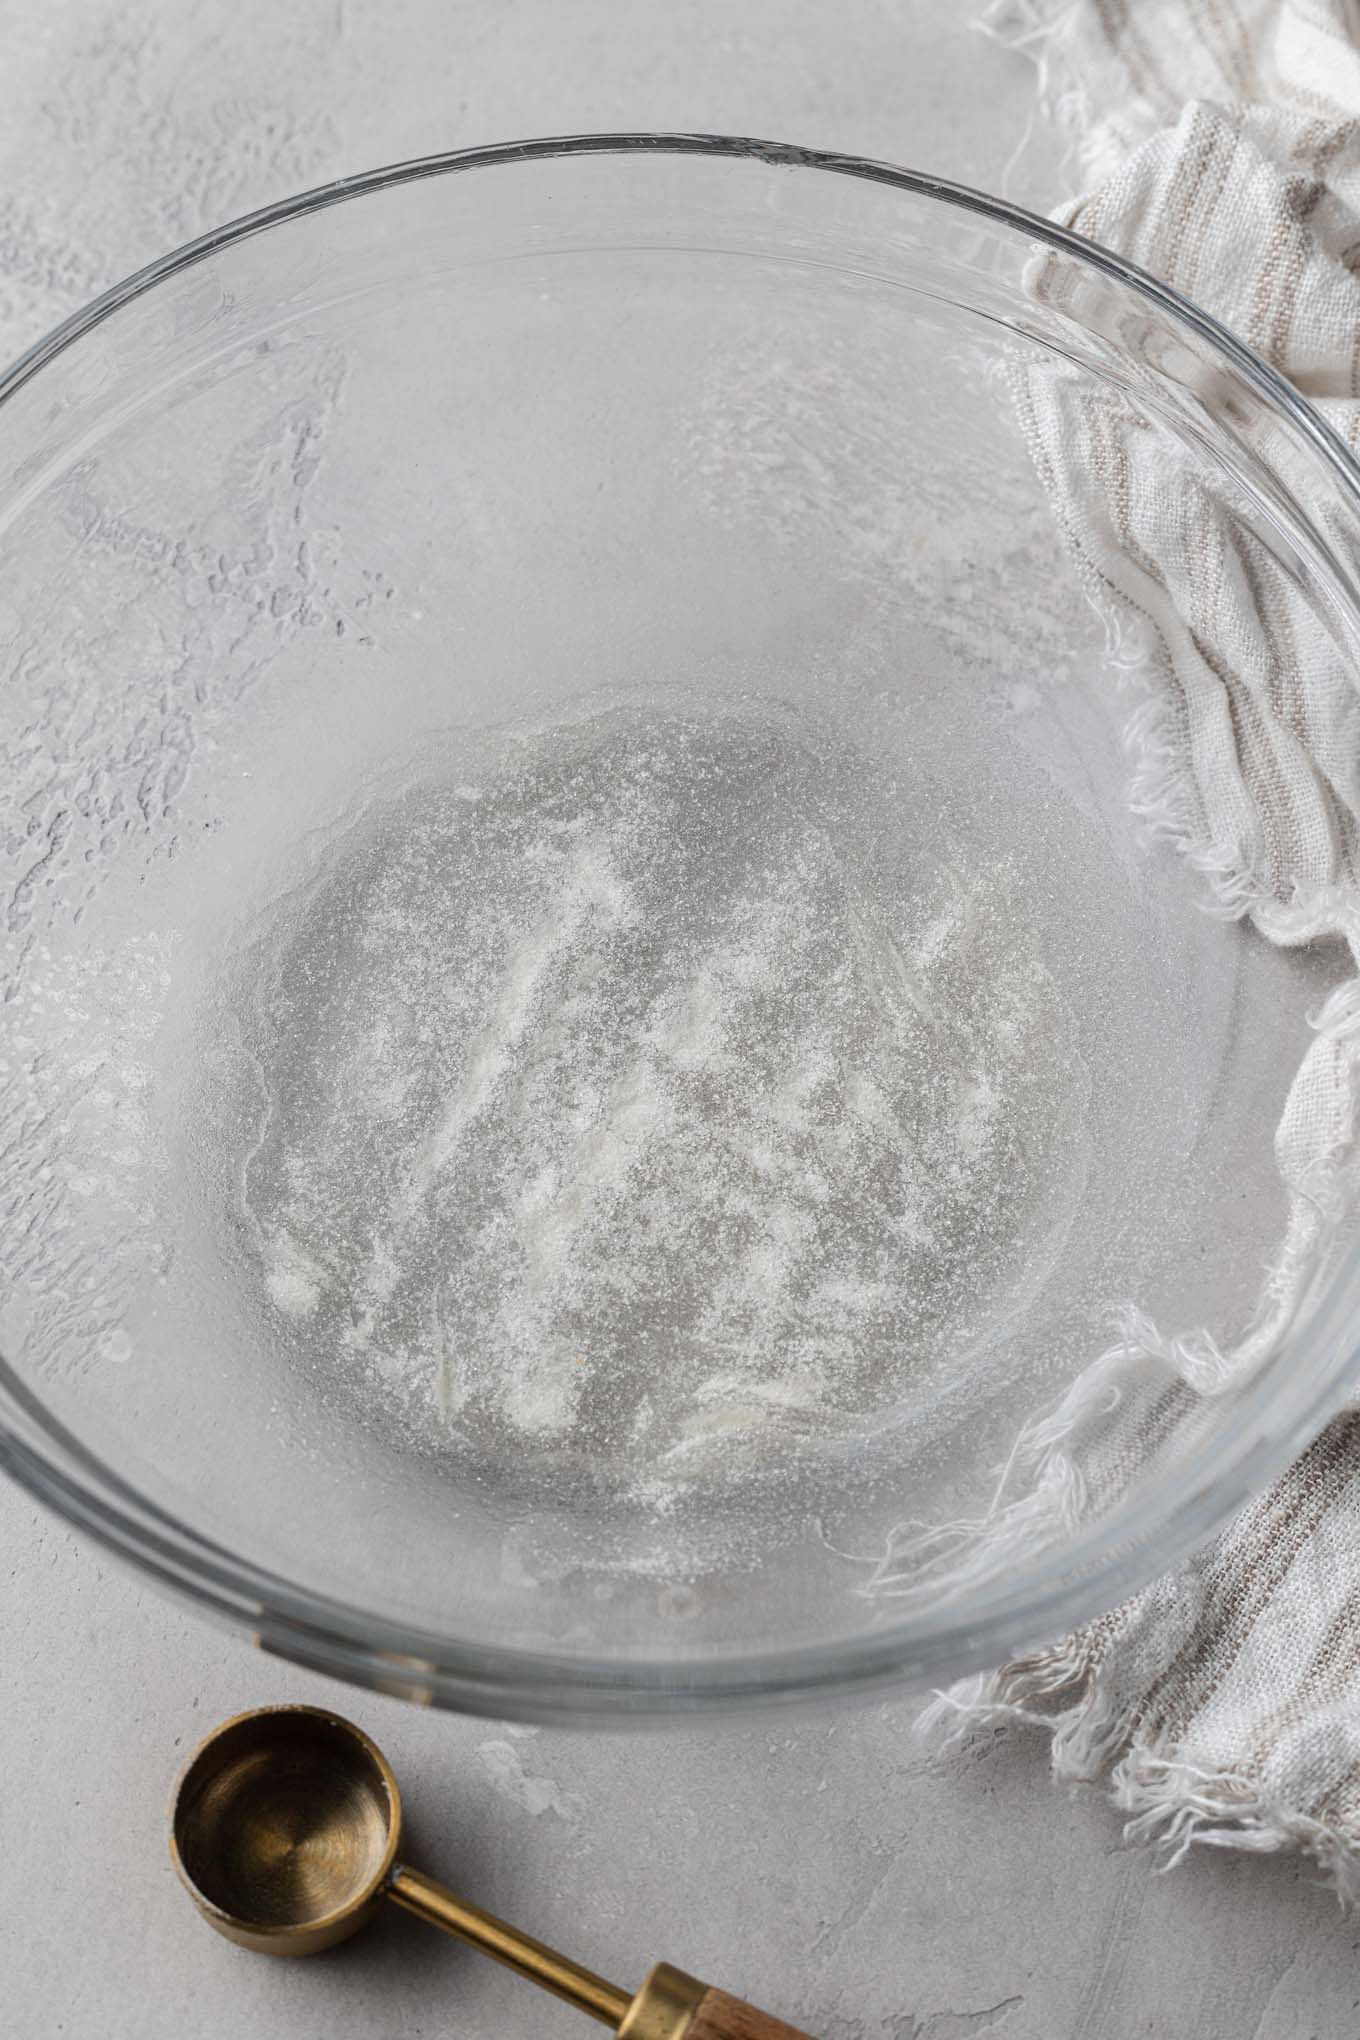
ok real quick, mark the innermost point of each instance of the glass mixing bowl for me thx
(588, 1032)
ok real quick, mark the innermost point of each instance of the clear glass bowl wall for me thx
(661, 493)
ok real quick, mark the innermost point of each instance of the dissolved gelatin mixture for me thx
(625, 1092)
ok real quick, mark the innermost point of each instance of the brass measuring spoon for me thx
(285, 1827)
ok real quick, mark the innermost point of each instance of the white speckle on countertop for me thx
(501, 1762)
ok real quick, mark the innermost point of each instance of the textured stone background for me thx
(823, 1867)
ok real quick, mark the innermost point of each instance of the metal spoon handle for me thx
(669, 2006)
(429, 1901)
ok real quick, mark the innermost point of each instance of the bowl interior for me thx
(591, 1031)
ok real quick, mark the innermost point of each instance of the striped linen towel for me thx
(1220, 140)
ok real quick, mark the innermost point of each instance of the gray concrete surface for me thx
(825, 1867)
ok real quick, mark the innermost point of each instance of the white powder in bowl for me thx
(633, 1098)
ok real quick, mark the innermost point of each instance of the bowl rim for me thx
(1179, 1509)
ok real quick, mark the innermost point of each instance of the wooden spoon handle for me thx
(674, 2006)
(720, 2017)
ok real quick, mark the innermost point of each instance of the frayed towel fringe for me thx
(1172, 1802)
